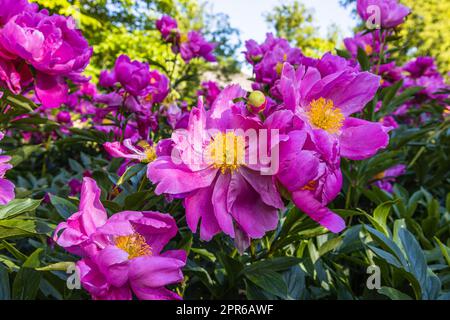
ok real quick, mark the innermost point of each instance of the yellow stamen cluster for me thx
(311, 186)
(368, 49)
(149, 151)
(380, 175)
(133, 244)
(324, 115)
(227, 151)
(184, 37)
(279, 66)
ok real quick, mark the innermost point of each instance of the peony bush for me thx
(120, 185)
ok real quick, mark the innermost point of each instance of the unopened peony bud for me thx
(257, 101)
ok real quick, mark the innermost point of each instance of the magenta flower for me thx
(14, 76)
(309, 171)
(421, 67)
(386, 178)
(207, 168)
(390, 74)
(122, 255)
(6, 186)
(142, 152)
(254, 52)
(75, 186)
(326, 103)
(276, 52)
(392, 13)
(11, 8)
(134, 76)
(309, 168)
(107, 79)
(193, 45)
(369, 42)
(158, 88)
(52, 45)
(177, 117)
(168, 28)
(64, 117)
(210, 90)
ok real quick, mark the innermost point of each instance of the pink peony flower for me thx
(52, 45)
(392, 13)
(224, 196)
(6, 186)
(121, 255)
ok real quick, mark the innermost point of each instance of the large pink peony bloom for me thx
(14, 75)
(193, 45)
(309, 171)
(392, 13)
(52, 45)
(168, 27)
(6, 186)
(122, 255)
(11, 8)
(325, 101)
(209, 169)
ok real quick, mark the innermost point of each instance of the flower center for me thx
(369, 50)
(324, 115)
(133, 244)
(149, 151)
(311, 186)
(279, 66)
(226, 151)
(380, 176)
(184, 37)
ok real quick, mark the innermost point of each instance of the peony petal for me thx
(154, 271)
(199, 206)
(307, 203)
(219, 201)
(176, 179)
(362, 139)
(93, 213)
(113, 263)
(52, 91)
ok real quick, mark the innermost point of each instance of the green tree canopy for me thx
(295, 22)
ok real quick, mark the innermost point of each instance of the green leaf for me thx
(330, 245)
(380, 215)
(20, 102)
(295, 280)
(270, 281)
(415, 255)
(27, 280)
(393, 294)
(389, 94)
(64, 207)
(59, 266)
(5, 291)
(273, 264)
(130, 172)
(388, 245)
(343, 53)
(15, 252)
(17, 207)
(447, 202)
(24, 228)
(204, 253)
(253, 292)
(21, 154)
(8, 263)
(386, 256)
(445, 251)
(403, 97)
(363, 59)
